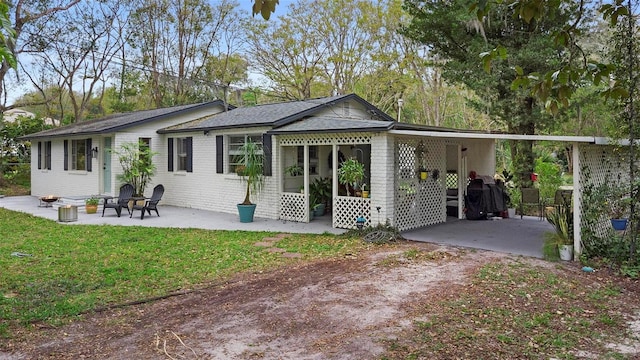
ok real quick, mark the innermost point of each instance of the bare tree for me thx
(79, 48)
(24, 14)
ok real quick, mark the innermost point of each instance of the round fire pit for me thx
(46, 201)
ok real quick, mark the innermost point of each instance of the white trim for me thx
(438, 134)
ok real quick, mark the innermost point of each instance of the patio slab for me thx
(173, 217)
(514, 236)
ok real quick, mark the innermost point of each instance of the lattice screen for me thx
(293, 207)
(419, 203)
(346, 209)
(452, 180)
(326, 139)
(600, 164)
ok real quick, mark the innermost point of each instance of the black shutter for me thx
(170, 155)
(219, 154)
(66, 155)
(266, 158)
(39, 155)
(47, 159)
(189, 154)
(87, 156)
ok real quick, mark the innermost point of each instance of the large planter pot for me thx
(319, 210)
(619, 224)
(91, 209)
(566, 252)
(246, 212)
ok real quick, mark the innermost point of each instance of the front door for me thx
(106, 166)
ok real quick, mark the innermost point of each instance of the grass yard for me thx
(72, 269)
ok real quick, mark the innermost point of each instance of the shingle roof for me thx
(278, 114)
(117, 122)
(331, 124)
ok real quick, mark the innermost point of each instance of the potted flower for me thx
(91, 204)
(250, 158)
(351, 173)
(562, 220)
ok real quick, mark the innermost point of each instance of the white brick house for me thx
(195, 158)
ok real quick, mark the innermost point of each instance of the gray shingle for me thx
(117, 122)
(274, 115)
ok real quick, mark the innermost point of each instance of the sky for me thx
(14, 91)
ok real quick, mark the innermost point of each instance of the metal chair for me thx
(126, 192)
(563, 197)
(531, 196)
(151, 203)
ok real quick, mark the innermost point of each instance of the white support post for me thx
(306, 180)
(577, 202)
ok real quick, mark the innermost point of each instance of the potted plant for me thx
(351, 173)
(365, 192)
(250, 158)
(293, 170)
(618, 211)
(562, 220)
(320, 190)
(91, 204)
(137, 166)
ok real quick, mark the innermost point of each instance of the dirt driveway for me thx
(339, 309)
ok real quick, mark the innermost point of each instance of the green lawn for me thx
(75, 268)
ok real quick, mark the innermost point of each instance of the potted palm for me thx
(250, 159)
(320, 191)
(562, 220)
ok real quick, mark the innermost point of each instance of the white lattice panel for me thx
(346, 209)
(325, 139)
(599, 165)
(419, 203)
(293, 207)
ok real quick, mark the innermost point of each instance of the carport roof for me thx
(503, 136)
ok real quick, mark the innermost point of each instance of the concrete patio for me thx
(514, 236)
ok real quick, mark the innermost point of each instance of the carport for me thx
(513, 236)
(591, 158)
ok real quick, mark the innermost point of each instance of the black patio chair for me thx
(126, 192)
(151, 203)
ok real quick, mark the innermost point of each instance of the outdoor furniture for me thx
(563, 197)
(46, 201)
(149, 204)
(531, 196)
(126, 193)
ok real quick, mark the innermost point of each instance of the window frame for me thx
(234, 143)
(76, 157)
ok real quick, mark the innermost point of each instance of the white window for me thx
(78, 154)
(182, 154)
(235, 143)
(44, 155)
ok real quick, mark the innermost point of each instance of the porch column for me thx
(334, 175)
(577, 202)
(305, 168)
